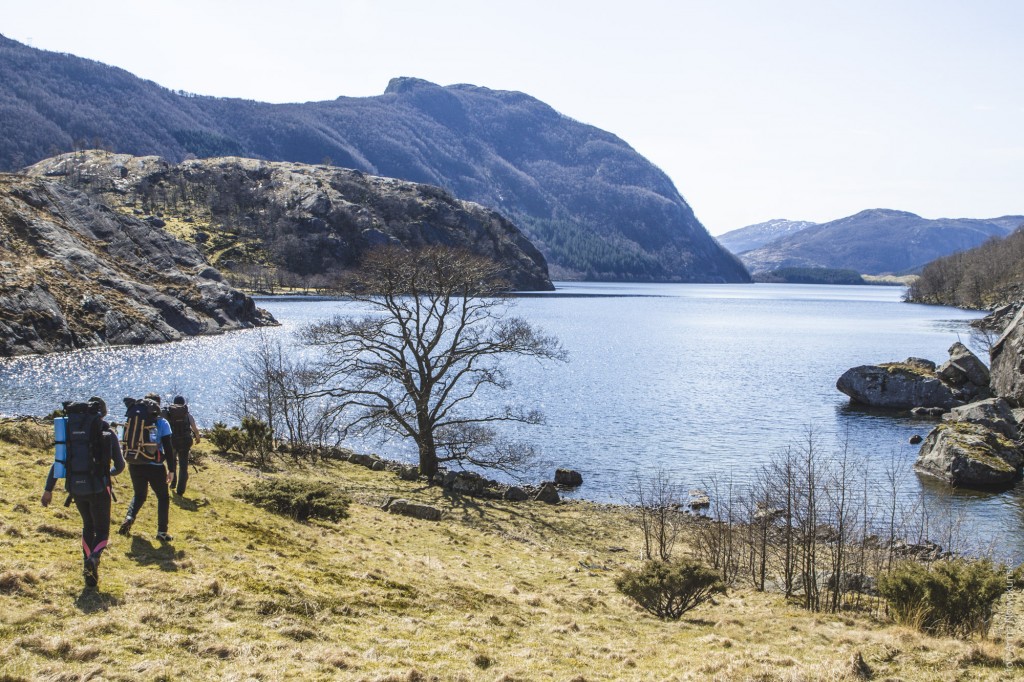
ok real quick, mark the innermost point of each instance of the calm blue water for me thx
(702, 380)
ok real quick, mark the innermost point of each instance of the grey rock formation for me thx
(968, 455)
(306, 220)
(548, 494)
(416, 511)
(76, 274)
(1007, 367)
(568, 478)
(896, 385)
(992, 413)
(515, 494)
(963, 367)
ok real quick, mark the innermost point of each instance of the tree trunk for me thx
(428, 453)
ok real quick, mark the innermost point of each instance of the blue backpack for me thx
(86, 461)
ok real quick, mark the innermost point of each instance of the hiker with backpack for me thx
(184, 433)
(87, 456)
(151, 461)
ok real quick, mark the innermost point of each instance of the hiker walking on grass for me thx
(183, 433)
(151, 462)
(92, 455)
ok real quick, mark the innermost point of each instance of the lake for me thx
(700, 380)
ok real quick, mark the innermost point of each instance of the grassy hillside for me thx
(493, 591)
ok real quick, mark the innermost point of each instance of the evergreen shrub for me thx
(668, 589)
(298, 498)
(953, 597)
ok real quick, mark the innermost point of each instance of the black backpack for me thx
(181, 426)
(88, 454)
(140, 436)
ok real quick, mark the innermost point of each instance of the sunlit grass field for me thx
(493, 591)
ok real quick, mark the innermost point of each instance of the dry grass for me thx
(495, 591)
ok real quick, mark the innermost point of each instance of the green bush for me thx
(253, 439)
(225, 439)
(297, 498)
(668, 589)
(953, 597)
(29, 433)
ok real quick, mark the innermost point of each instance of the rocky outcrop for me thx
(307, 221)
(968, 455)
(417, 511)
(76, 274)
(897, 385)
(1008, 362)
(568, 478)
(994, 414)
(547, 494)
(964, 371)
(917, 385)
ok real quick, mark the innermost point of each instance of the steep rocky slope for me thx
(592, 204)
(306, 221)
(74, 274)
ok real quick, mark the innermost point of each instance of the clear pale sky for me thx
(757, 109)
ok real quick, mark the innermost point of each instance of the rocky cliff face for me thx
(74, 274)
(305, 221)
(1008, 362)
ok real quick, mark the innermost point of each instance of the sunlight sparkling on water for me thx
(703, 380)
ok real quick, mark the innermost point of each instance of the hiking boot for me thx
(126, 526)
(91, 571)
(164, 537)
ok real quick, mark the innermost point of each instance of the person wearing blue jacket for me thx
(153, 475)
(94, 507)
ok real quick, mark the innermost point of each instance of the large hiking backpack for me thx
(140, 437)
(181, 426)
(87, 457)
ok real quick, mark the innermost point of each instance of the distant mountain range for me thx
(590, 203)
(755, 236)
(872, 242)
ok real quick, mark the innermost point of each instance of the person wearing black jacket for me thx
(95, 507)
(153, 475)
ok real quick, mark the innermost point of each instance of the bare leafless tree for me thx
(434, 340)
(657, 500)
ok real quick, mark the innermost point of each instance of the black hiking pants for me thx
(144, 477)
(95, 511)
(180, 479)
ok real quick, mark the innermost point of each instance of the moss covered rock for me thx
(969, 455)
(897, 385)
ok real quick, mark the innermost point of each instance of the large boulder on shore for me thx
(969, 455)
(992, 413)
(1008, 362)
(897, 385)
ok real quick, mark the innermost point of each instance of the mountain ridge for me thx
(876, 241)
(594, 207)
